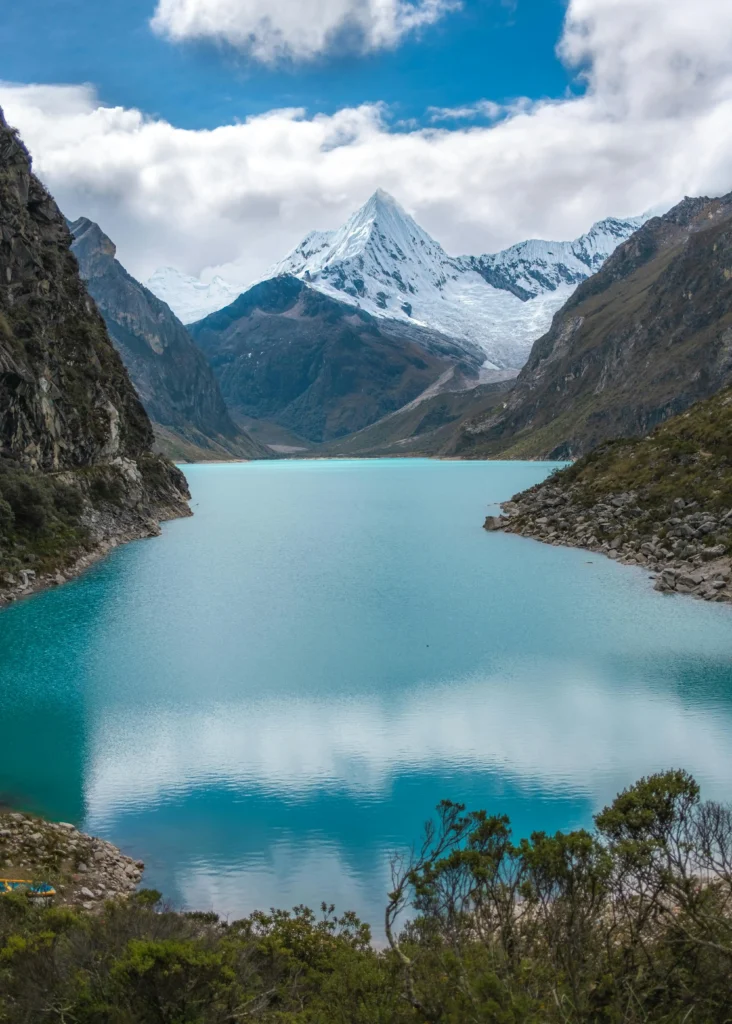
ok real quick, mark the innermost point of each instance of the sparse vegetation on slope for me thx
(664, 501)
(637, 343)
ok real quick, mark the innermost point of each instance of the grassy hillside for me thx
(663, 501)
(690, 457)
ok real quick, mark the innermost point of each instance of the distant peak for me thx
(382, 196)
(88, 234)
(381, 202)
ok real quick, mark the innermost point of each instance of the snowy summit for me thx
(382, 261)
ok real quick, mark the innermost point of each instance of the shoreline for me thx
(29, 583)
(85, 870)
(611, 528)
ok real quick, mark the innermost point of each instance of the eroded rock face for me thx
(77, 473)
(171, 375)
(65, 398)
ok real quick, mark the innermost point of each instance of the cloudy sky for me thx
(213, 134)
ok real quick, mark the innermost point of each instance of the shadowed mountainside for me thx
(77, 473)
(172, 376)
(286, 353)
(638, 342)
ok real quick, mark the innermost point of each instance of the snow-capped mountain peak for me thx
(382, 261)
(188, 297)
(535, 267)
(363, 258)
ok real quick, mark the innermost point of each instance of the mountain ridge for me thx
(382, 261)
(171, 375)
(640, 341)
(288, 353)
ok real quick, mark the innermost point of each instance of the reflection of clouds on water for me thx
(564, 727)
(291, 874)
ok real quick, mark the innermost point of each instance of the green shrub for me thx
(629, 922)
(29, 500)
(7, 516)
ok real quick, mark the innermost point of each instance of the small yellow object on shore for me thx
(35, 889)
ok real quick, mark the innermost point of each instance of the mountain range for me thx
(316, 354)
(384, 263)
(356, 323)
(368, 339)
(648, 335)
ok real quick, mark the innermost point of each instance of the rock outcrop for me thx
(171, 374)
(639, 342)
(77, 471)
(84, 870)
(663, 502)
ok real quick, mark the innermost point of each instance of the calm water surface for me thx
(269, 698)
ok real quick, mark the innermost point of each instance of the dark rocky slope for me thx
(77, 473)
(172, 376)
(663, 501)
(640, 341)
(286, 353)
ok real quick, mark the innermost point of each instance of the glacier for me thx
(189, 297)
(382, 261)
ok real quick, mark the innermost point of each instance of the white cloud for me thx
(652, 126)
(272, 30)
(481, 108)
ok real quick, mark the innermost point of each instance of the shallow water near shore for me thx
(266, 700)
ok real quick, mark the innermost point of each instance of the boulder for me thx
(494, 523)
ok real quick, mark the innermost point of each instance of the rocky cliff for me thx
(638, 342)
(287, 353)
(170, 373)
(77, 473)
(663, 501)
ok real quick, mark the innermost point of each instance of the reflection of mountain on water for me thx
(265, 699)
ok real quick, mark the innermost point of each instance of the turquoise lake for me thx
(269, 698)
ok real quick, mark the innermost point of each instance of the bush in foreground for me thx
(629, 922)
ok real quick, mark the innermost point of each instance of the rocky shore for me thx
(105, 526)
(85, 871)
(687, 550)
